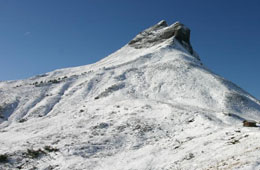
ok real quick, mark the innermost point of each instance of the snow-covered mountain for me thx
(151, 105)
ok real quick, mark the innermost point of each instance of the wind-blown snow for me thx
(151, 108)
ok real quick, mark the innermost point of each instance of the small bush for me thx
(54, 81)
(38, 84)
(235, 141)
(1, 112)
(3, 158)
(101, 126)
(22, 120)
(35, 153)
(50, 149)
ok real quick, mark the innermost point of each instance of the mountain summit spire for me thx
(161, 32)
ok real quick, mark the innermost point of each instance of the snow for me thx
(150, 108)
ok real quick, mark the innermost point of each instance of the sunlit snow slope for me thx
(150, 105)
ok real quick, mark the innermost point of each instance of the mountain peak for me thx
(140, 107)
(160, 32)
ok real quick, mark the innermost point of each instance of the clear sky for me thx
(38, 36)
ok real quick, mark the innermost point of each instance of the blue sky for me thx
(40, 36)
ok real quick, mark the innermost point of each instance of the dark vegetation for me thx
(22, 120)
(50, 149)
(1, 112)
(110, 90)
(101, 126)
(56, 81)
(53, 81)
(3, 158)
(35, 153)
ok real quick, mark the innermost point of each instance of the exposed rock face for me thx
(161, 32)
(149, 37)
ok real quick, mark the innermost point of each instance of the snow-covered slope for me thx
(150, 105)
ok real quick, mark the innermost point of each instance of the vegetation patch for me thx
(110, 90)
(22, 120)
(233, 142)
(35, 153)
(3, 158)
(52, 81)
(1, 112)
(101, 126)
(50, 149)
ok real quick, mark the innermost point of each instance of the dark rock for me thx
(161, 32)
(182, 33)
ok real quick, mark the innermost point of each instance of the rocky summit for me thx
(161, 32)
(151, 105)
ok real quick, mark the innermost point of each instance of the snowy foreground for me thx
(151, 105)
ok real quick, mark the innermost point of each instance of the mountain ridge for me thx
(150, 105)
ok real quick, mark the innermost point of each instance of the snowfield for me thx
(151, 105)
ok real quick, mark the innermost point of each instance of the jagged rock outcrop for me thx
(161, 32)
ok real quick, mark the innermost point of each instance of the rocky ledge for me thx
(161, 32)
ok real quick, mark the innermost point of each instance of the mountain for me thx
(150, 105)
